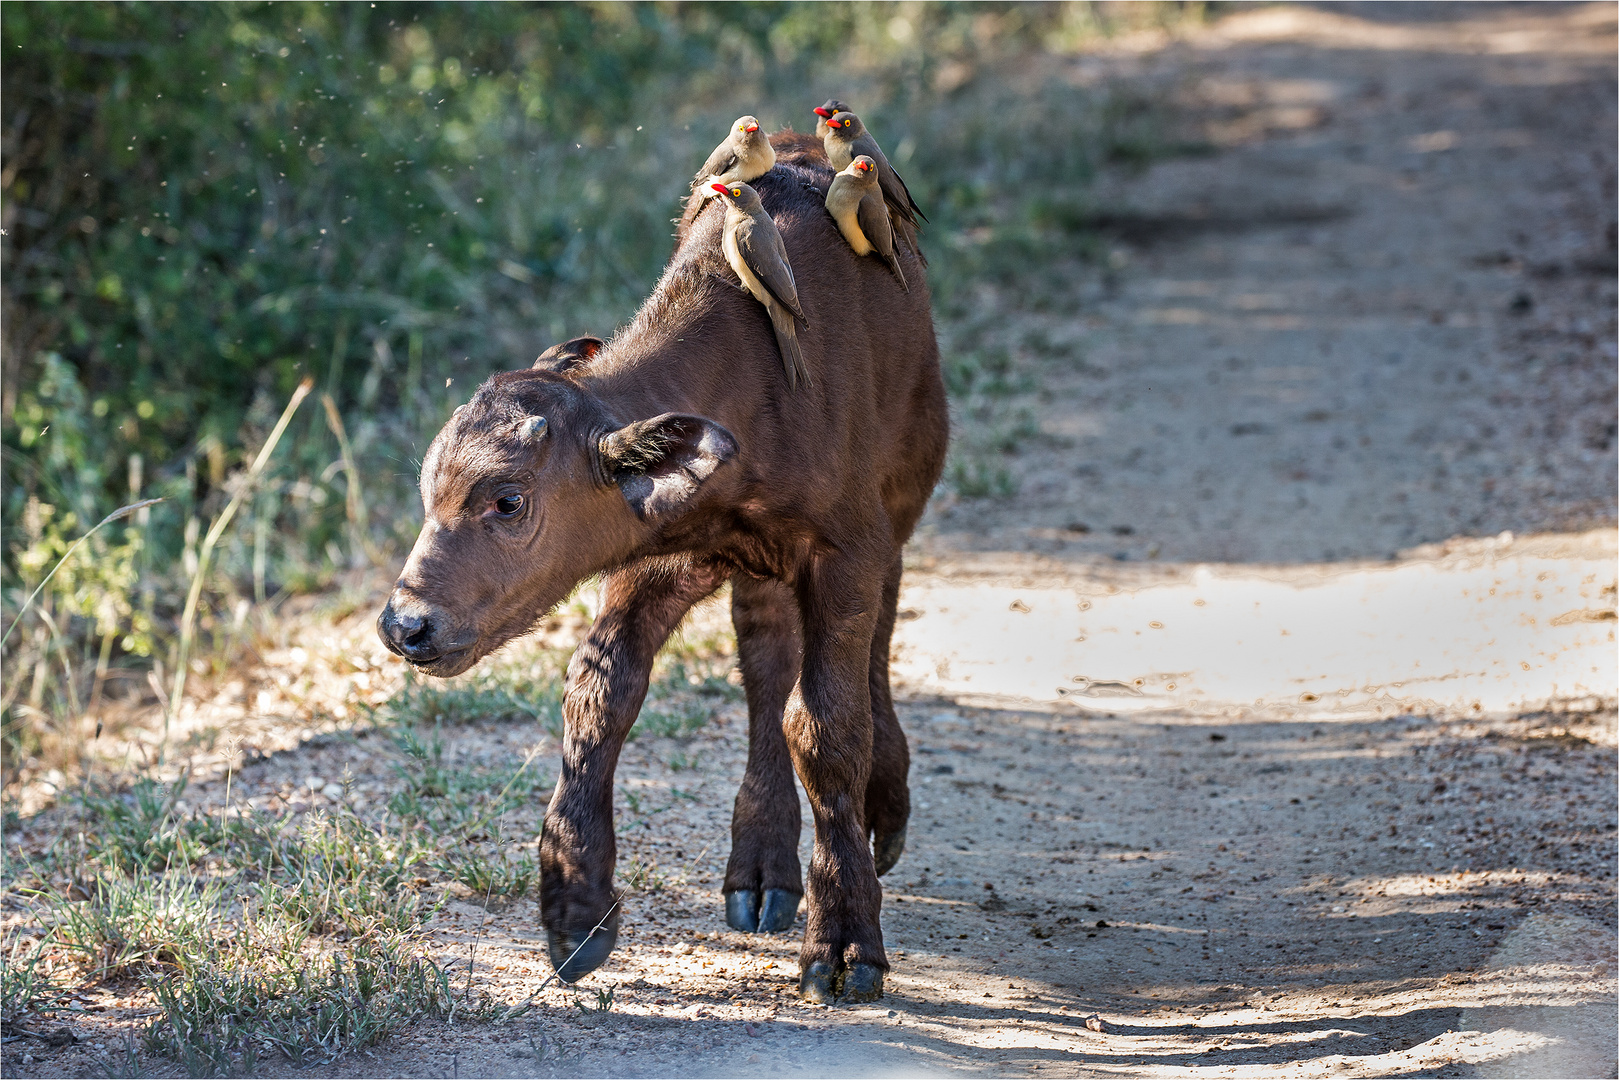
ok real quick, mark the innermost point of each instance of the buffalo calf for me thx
(671, 460)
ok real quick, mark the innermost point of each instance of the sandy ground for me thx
(1382, 316)
(1271, 723)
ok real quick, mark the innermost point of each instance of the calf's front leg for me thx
(606, 684)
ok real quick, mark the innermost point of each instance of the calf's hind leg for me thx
(763, 879)
(828, 728)
(888, 792)
(607, 681)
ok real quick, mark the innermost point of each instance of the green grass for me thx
(450, 800)
(232, 1014)
(497, 877)
(980, 476)
(137, 827)
(23, 986)
(673, 721)
(605, 998)
(357, 907)
(140, 924)
(690, 681)
(493, 692)
(304, 942)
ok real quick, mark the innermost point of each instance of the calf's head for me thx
(531, 487)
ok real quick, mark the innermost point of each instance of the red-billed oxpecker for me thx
(754, 248)
(746, 154)
(847, 139)
(856, 204)
(823, 113)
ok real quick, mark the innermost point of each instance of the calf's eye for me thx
(507, 505)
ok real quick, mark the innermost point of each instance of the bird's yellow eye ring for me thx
(736, 193)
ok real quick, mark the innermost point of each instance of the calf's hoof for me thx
(817, 984)
(886, 848)
(742, 910)
(862, 982)
(821, 984)
(576, 953)
(778, 911)
(754, 913)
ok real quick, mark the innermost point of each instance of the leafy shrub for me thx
(206, 203)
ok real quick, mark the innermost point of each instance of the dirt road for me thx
(1386, 321)
(1324, 824)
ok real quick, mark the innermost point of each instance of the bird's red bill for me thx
(821, 110)
(721, 188)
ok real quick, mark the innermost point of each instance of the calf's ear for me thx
(660, 463)
(568, 355)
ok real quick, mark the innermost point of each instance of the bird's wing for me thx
(759, 243)
(721, 161)
(903, 194)
(894, 189)
(874, 222)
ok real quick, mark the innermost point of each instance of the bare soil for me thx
(1386, 320)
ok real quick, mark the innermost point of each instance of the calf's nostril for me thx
(410, 632)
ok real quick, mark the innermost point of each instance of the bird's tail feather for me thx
(905, 232)
(892, 258)
(792, 357)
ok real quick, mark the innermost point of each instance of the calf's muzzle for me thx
(413, 630)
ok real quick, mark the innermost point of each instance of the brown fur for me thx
(674, 460)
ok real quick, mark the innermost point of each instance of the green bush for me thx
(206, 203)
